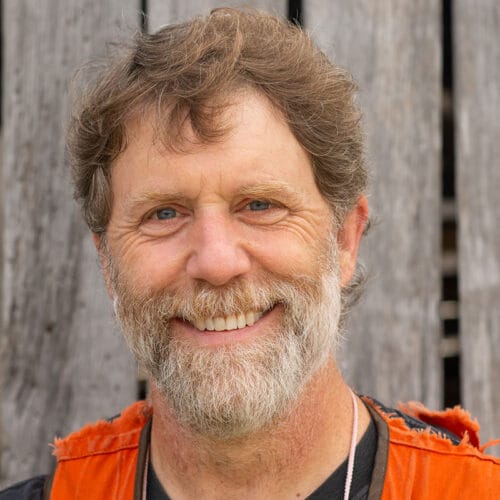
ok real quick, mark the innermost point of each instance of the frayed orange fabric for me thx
(492, 442)
(456, 420)
(424, 465)
(103, 436)
(99, 461)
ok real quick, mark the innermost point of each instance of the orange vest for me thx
(108, 460)
(421, 463)
(100, 461)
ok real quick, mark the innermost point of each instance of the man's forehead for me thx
(176, 128)
(258, 156)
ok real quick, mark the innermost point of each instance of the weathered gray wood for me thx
(393, 49)
(162, 12)
(477, 103)
(62, 363)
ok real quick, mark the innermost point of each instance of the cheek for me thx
(288, 256)
(153, 265)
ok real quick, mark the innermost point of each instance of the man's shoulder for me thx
(30, 489)
(104, 436)
(415, 419)
(453, 424)
(433, 445)
(413, 422)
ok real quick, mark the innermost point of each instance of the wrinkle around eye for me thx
(269, 215)
(152, 225)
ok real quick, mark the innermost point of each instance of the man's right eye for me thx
(165, 213)
(259, 205)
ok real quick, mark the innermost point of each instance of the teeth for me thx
(200, 324)
(232, 322)
(220, 324)
(250, 318)
(241, 321)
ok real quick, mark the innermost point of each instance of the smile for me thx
(227, 323)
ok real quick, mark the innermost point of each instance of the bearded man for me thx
(220, 168)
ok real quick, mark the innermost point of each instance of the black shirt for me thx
(334, 485)
(30, 489)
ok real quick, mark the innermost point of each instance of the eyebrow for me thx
(271, 189)
(148, 197)
(267, 189)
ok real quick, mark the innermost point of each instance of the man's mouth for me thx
(226, 323)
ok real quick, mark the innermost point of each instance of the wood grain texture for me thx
(477, 103)
(62, 362)
(393, 49)
(162, 12)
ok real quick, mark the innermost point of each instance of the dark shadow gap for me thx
(144, 16)
(450, 326)
(295, 13)
(142, 389)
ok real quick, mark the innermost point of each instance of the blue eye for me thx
(259, 205)
(166, 213)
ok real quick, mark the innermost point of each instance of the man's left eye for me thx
(166, 213)
(259, 205)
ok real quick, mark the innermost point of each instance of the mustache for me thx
(201, 300)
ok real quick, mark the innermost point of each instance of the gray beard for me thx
(231, 391)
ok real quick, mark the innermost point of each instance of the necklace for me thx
(352, 450)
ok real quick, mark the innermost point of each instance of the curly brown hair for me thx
(189, 71)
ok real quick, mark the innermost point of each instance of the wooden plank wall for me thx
(393, 49)
(162, 12)
(477, 102)
(61, 361)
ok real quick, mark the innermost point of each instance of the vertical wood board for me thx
(392, 47)
(161, 12)
(62, 362)
(476, 48)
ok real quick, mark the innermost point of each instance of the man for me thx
(220, 169)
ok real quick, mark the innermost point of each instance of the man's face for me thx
(224, 270)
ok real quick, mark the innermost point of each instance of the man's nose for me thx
(218, 252)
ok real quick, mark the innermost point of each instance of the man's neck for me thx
(291, 458)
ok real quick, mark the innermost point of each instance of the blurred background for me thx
(428, 327)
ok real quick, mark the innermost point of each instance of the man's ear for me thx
(349, 237)
(96, 238)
